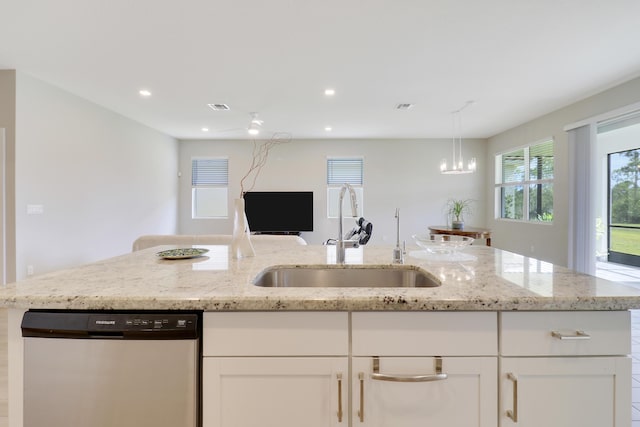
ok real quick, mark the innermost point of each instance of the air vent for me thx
(404, 106)
(219, 107)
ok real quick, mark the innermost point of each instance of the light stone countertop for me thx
(482, 278)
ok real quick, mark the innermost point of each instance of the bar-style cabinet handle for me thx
(361, 410)
(438, 376)
(513, 413)
(339, 397)
(579, 335)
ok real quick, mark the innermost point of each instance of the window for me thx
(344, 171)
(209, 186)
(524, 183)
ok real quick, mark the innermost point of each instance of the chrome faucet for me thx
(398, 252)
(341, 244)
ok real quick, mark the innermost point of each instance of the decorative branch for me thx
(260, 156)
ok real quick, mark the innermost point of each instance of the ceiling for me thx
(517, 59)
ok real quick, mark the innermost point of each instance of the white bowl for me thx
(442, 243)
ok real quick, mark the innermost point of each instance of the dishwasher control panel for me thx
(141, 322)
(107, 324)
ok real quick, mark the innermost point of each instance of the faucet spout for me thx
(341, 243)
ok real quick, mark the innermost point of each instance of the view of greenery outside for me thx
(626, 240)
(527, 174)
(625, 202)
(512, 201)
(541, 194)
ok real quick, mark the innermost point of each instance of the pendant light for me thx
(457, 160)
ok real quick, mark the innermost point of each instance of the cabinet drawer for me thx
(275, 334)
(575, 333)
(425, 334)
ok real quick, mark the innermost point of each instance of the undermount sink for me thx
(349, 276)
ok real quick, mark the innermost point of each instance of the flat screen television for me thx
(279, 211)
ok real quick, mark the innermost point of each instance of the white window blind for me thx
(513, 166)
(209, 172)
(541, 161)
(209, 191)
(344, 171)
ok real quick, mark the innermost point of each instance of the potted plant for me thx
(456, 208)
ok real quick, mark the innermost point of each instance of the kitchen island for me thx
(502, 336)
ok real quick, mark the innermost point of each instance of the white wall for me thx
(397, 173)
(548, 242)
(101, 178)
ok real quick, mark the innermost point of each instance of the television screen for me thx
(279, 211)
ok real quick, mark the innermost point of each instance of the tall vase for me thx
(241, 246)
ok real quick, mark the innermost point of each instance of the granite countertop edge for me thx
(389, 303)
(493, 280)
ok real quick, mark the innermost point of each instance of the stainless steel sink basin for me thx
(351, 276)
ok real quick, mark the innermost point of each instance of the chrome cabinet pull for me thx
(513, 413)
(438, 376)
(361, 410)
(339, 397)
(579, 335)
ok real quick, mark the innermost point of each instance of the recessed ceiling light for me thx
(329, 92)
(205, 129)
(328, 128)
(144, 92)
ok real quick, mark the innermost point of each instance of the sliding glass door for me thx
(624, 207)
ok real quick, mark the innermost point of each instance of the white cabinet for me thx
(419, 369)
(275, 334)
(565, 333)
(566, 391)
(413, 369)
(275, 391)
(448, 391)
(450, 333)
(275, 369)
(580, 375)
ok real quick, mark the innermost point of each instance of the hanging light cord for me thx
(456, 145)
(458, 132)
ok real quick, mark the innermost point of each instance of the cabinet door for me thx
(466, 398)
(275, 391)
(565, 391)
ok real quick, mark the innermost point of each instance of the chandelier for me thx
(457, 160)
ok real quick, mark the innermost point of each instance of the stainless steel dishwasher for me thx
(107, 369)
